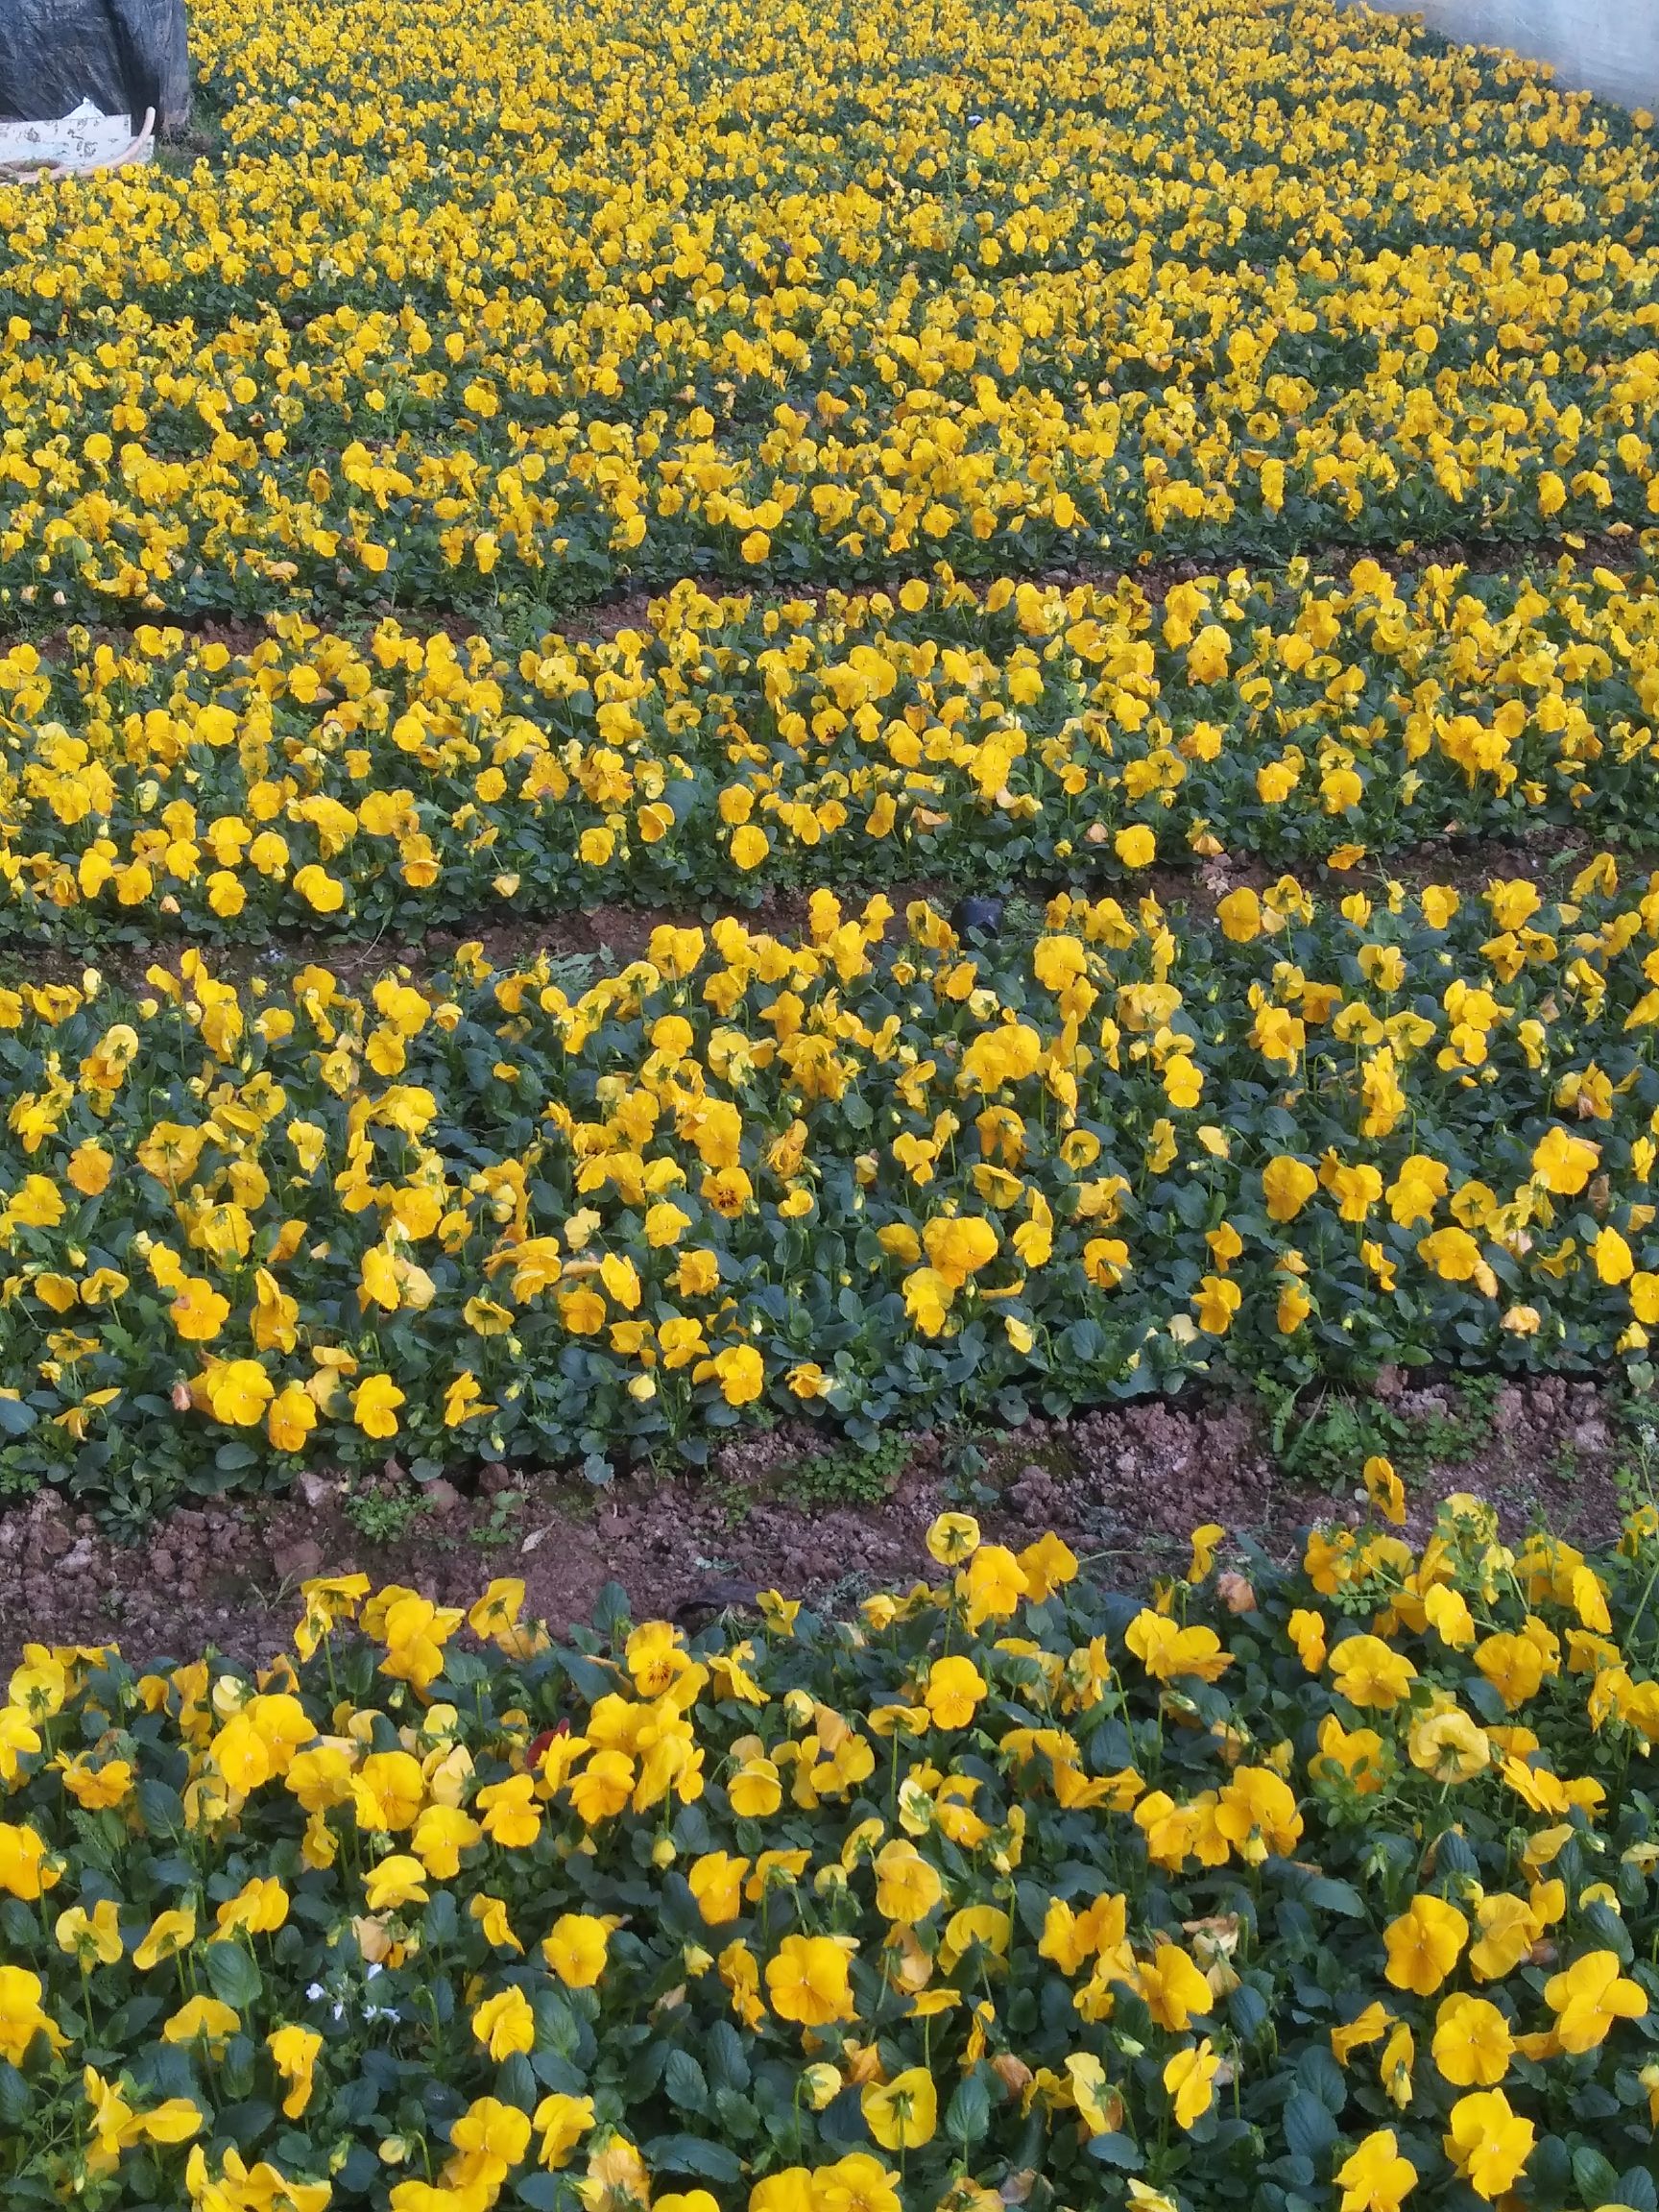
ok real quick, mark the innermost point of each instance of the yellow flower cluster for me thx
(522, 301)
(873, 1170)
(1333, 1885)
(1338, 1882)
(730, 745)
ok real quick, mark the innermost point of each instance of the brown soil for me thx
(1124, 1486)
(612, 930)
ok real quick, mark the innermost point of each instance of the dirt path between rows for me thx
(1125, 1486)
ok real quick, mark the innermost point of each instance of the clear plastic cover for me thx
(1609, 47)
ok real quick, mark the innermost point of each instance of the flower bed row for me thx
(1287, 1888)
(1055, 287)
(879, 1174)
(727, 746)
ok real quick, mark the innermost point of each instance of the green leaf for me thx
(1328, 1897)
(611, 1612)
(1608, 1930)
(1639, 2188)
(1115, 2151)
(14, 2095)
(1318, 2072)
(554, 2070)
(1594, 2177)
(1549, 2170)
(232, 1975)
(516, 2082)
(691, 2154)
(738, 2115)
(968, 2116)
(1310, 2131)
(591, 1680)
(162, 1807)
(245, 2124)
(728, 2061)
(1455, 1853)
(684, 2081)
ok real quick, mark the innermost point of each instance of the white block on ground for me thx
(84, 140)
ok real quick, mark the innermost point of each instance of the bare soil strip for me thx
(1125, 1485)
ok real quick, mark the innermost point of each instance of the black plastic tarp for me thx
(124, 56)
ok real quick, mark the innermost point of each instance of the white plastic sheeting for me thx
(1605, 46)
(74, 145)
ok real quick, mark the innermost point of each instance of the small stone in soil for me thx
(299, 1561)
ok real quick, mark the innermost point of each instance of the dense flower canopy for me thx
(492, 303)
(1004, 1892)
(1324, 1888)
(730, 746)
(876, 1173)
